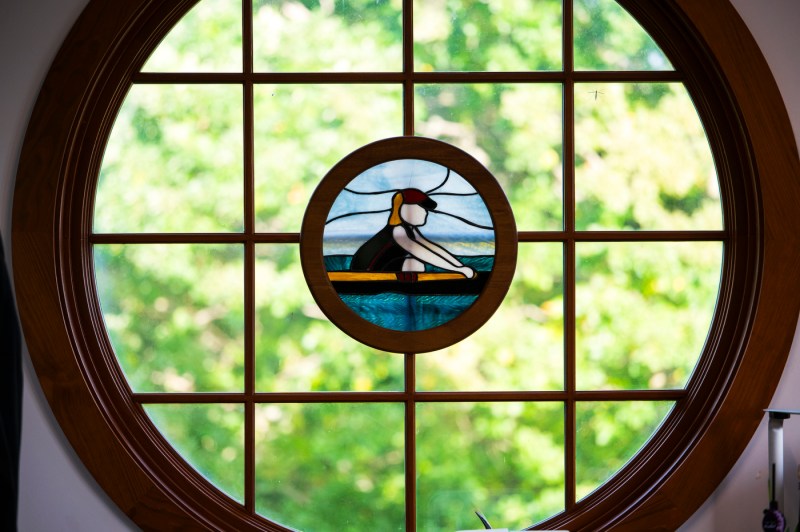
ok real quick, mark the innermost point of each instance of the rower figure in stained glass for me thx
(401, 247)
(382, 265)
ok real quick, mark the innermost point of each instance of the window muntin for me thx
(524, 129)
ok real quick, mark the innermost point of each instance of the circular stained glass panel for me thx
(408, 243)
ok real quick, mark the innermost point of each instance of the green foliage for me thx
(642, 160)
(643, 312)
(175, 313)
(608, 435)
(207, 39)
(170, 146)
(497, 357)
(302, 131)
(297, 348)
(475, 35)
(327, 35)
(608, 38)
(513, 130)
(506, 459)
(331, 466)
(216, 451)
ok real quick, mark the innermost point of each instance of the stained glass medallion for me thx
(408, 244)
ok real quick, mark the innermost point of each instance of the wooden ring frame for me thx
(311, 244)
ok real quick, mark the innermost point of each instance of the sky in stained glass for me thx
(364, 205)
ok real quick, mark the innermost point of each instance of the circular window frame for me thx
(677, 470)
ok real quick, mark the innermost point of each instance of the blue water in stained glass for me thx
(455, 219)
(406, 312)
(401, 312)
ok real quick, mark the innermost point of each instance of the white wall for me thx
(57, 493)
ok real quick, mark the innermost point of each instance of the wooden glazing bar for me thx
(524, 236)
(633, 76)
(418, 397)
(621, 236)
(194, 238)
(569, 256)
(410, 442)
(249, 282)
(408, 67)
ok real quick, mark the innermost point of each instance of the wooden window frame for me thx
(659, 489)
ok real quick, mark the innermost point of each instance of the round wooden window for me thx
(109, 418)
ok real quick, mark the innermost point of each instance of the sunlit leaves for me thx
(513, 130)
(297, 347)
(608, 435)
(470, 35)
(608, 38)
(643, 312)
(170, 147)
(331, 466)
(509, 464)
(175, 314)
(217, 451)
(328, 36)
(302, 131)
(642, 160)
(207, 39)
(497, 356)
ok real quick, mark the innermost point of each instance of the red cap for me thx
(415, 196)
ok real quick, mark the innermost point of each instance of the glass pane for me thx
(297, 348)
(449, 234)
(174, 314)
(643, 311)
(462, 35)
(340, 36)
(303, 130)
(210, 437)
(173, 162)
(608, 435)
(504, 459)
(642, 160)
(207, 39)
(608, 38)
(522, 346)
(515, 131)
(331, 467)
